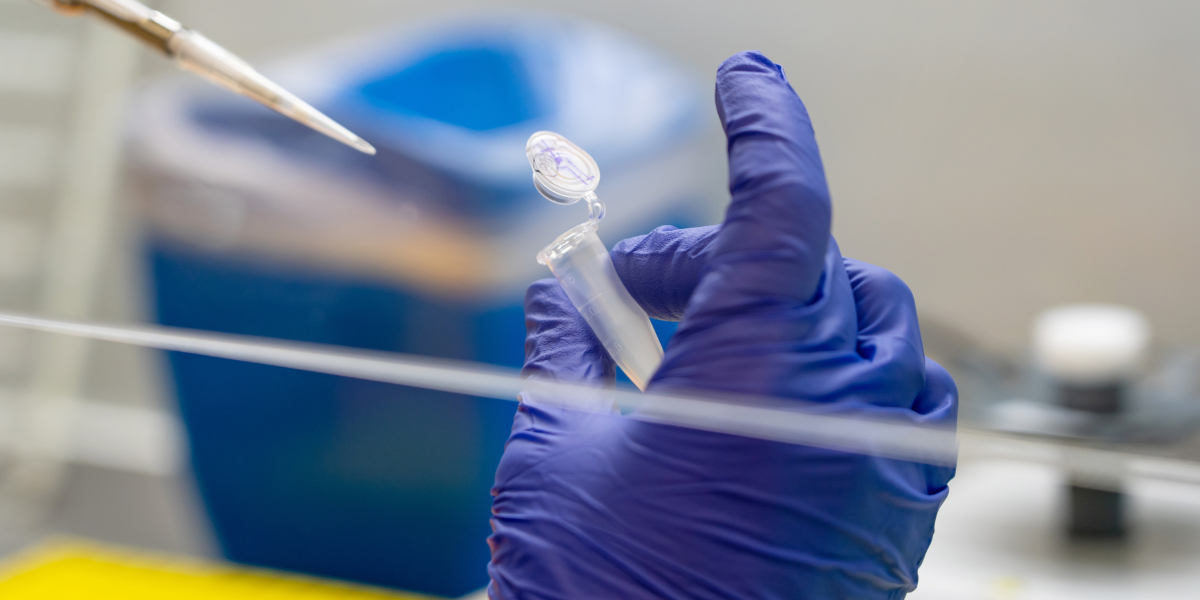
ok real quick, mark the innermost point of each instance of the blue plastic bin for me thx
(258, 226)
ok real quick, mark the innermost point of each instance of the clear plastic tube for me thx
(581, 264)
(764, 418)
(564, 174)
(792, 421)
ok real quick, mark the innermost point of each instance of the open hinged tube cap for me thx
(562, 171)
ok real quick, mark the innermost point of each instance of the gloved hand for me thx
(597, 506)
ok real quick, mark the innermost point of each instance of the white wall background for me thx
(1001, 156)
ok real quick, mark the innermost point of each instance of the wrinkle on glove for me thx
(598, 506)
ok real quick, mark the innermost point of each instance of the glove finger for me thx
(889, 335)
(937, 405)
(938, 402)
(775, 348)
(777, 227)
(559, 344)
(661, 269)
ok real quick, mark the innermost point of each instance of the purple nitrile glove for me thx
(599, 506)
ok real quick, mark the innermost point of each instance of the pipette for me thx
(200, 55)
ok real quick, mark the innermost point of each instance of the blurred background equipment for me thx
(1081, 510)
(62, 96)
(1093, 379)
(257, 226)
(1092, 355)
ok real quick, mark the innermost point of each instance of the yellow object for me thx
(70, 569)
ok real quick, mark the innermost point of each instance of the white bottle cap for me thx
(1091, 344)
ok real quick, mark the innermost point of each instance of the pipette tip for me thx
(204, 57)
(363, 146)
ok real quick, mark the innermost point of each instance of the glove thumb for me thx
(559, 344)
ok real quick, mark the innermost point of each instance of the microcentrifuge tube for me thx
(565, 174)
